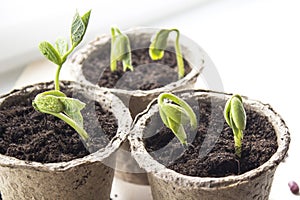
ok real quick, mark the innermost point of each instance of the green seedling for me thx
(55, 102)
(159, 45)
(120, 50)
(235, 116)
(175, 114)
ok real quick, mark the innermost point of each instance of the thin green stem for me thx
(63, 59)
(113, 61)
(238, 143)
(56, 80)
(179, 58)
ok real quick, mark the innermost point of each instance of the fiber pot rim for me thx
(98, 156)
(76, 61)
(210, 183)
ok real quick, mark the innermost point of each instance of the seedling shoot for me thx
(159, 45)
(55, 102)
(235, 116)
(175, 114)
(120, 50)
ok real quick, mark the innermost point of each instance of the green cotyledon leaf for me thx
(48, 103)
(50, 52)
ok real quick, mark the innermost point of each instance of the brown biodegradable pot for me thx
(97, 52)
(168, 184)
(88, 177)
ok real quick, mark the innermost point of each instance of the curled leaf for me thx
(176, 115)
(159, 45)
(120, 50)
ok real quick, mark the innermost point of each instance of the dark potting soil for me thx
(33, 136)
(210, 152)
(147, 74)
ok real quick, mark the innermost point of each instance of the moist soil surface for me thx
(33, 136)
(211, 151)
(147, 74)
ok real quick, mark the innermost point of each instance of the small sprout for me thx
(176, 114)
(120, 50)
(235, 116)
(293, 187)
(61, 51)
(159, 45)
(55, 102)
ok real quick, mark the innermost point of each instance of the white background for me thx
(253, 43)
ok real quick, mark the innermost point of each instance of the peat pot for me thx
(87, 177)
(173, 170)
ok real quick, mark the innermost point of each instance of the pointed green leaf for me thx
(50, 52)
(62, 46)
(77, 29)
(86, 17)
